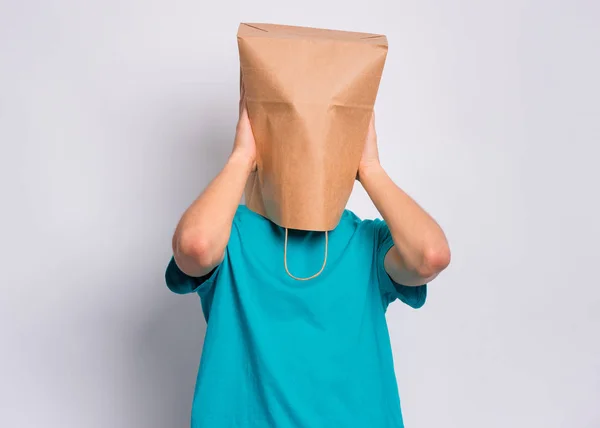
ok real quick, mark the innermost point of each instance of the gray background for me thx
(115, 114)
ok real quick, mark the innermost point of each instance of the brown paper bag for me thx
(310, 96)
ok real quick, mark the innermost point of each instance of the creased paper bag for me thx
(310, 95)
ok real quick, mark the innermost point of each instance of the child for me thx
(282, 353)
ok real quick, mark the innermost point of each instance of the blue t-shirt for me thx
(282, 353)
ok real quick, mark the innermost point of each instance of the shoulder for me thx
(241, 212)
(350, 219)
(244, 217)
(373, 231)
(363, 231)
(251, 227)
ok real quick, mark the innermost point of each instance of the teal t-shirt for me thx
(282, 353)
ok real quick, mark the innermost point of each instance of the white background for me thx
(115, 114)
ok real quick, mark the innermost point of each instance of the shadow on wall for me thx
(167, 345)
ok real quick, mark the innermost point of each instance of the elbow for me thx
(198, 249)
(434, 260)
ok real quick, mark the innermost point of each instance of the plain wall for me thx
(115, 114)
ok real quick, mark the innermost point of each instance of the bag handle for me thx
(285, 259)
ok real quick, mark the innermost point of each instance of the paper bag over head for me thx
(310, 95)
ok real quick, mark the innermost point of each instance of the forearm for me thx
(420, 247)
(202, 234)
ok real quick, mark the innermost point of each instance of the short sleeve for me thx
(413, 296)
(181, 283)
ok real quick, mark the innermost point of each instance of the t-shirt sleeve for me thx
(390, 290)
(181, 283)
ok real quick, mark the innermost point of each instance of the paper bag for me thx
(310, 95)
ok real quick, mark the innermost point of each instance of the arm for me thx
(420, 250)
(202, 234)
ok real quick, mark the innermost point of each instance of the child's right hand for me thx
(244, 145)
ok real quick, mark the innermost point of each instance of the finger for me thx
(242, 97)
(244, 112)
(372, 125)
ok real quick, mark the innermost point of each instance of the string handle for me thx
(286, 264)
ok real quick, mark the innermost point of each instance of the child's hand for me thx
(244, 145)
(370, 156)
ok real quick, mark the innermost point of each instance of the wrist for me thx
(368, 170)
(242, 160)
